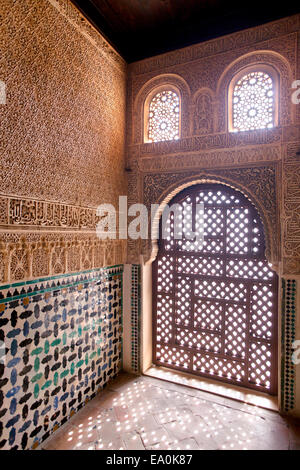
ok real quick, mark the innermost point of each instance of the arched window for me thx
(252, 101)
(163, 116)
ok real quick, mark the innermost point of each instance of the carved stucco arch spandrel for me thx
(257, 184)
(174, 81)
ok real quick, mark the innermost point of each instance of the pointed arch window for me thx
(253, 101)
(162, 116)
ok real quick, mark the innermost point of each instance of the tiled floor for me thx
(246, 395)
(146, 413)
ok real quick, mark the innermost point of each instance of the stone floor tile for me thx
(90, 446)
(184, 413)
(105, 399)
(206, 442)
(175, 399)
(163, 417)
(108, 430)
(159, 404)
(179, 430)
(106, 415)
(48, 445)
(294, 434)
(240, 434)
(149, 406)
(175, 387)
(155, 392)
(226, 414)
(110, 444)
(233, 404)
(146, 423)
(210, 397)
(257, 426)
(276, 440)
(264, 444)
(85, 416)
(160, 435)
(61, 439)
(186, 444)
(138, 411)
(228, 438)
(83, 436)
(122, 413)
(266, 414)
(121, 384)
(133, 441)
(161, 446)
(121, 379)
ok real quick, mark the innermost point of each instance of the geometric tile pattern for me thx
(135, 317)
(288, 337)
(63, 340)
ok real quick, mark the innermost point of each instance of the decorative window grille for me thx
(163, 117)
(253, 104)
(215, 296)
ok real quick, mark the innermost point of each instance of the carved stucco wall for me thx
(62, 140)
(263, 164)
(62, 153)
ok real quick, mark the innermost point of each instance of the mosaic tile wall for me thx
(288, 376)
(63, 342)
(135, 317)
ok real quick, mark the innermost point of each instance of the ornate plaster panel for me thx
(30, 255)
(25, 212)
(63, 128)
(291, 211)
(210, 159)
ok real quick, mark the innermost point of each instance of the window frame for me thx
(147, 102)
(238, 76)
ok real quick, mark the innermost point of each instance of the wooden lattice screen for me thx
(215, 299)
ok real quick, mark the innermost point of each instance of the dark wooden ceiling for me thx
(144, 28)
